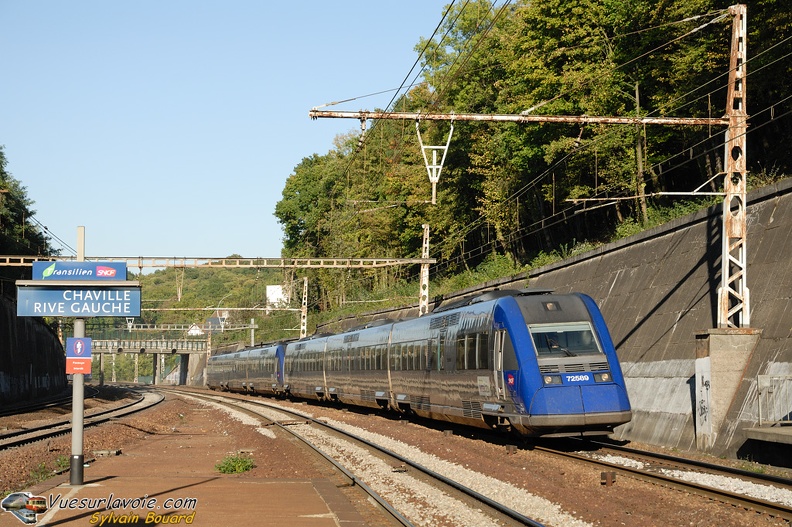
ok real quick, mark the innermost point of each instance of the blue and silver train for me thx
(537, 363)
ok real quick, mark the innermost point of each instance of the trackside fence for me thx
(775, 399)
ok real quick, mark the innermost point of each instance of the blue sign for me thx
(79, 271)
(78, 348)
(78, 301)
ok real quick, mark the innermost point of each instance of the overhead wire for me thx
(563, 212)
(562, 215)
(354, 154)
(53, 235)
(455, 238)
(719, 13)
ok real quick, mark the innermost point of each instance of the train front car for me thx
(567, 379)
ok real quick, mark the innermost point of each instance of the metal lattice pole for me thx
(423, 304)
(304, 310)
(733, 294)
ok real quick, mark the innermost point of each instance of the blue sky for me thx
(169, 127)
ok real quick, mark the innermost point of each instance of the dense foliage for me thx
(18, 235)
(508, 189)
(506, 196)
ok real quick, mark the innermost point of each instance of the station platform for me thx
(171, 479)
(771, 434)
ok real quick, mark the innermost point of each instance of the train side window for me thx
(430, 359)
(461, 354)
(472, 350)
(482, 351)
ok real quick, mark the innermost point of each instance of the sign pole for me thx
(78, 408)
(77, 462)
(78, 289)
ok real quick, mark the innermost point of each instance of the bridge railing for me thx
(150, 345)
(775, 399)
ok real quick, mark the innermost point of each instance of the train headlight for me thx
(552, 379)
(602, 377)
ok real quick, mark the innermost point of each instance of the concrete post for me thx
(721, 358)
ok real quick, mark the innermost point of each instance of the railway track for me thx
(713, 481)
(403, 487)
(63, 399)
(662, 471)
(763, 493)
(62, 426)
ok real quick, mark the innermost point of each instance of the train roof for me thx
(372, 324)
(491, 295)
(466, 301)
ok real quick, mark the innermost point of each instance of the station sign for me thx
(93, 271)
(81, 301)
(78, 355)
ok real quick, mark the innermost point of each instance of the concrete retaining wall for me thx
(658, 290)
(32, 360)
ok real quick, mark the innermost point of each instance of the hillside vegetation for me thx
(512, 192)
(510, 196)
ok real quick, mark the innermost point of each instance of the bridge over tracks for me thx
(155, 348)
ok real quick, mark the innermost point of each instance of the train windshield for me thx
(570, 339)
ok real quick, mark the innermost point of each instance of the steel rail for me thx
(227, 401)
(58, 400)
(499, 507)
(39, 433)
(744, 474)
(739, 500)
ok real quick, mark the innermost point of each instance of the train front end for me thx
(569, 380)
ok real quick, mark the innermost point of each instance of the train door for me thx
(497, 362)
(280, 353)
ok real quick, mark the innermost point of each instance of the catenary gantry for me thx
(254, 263)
